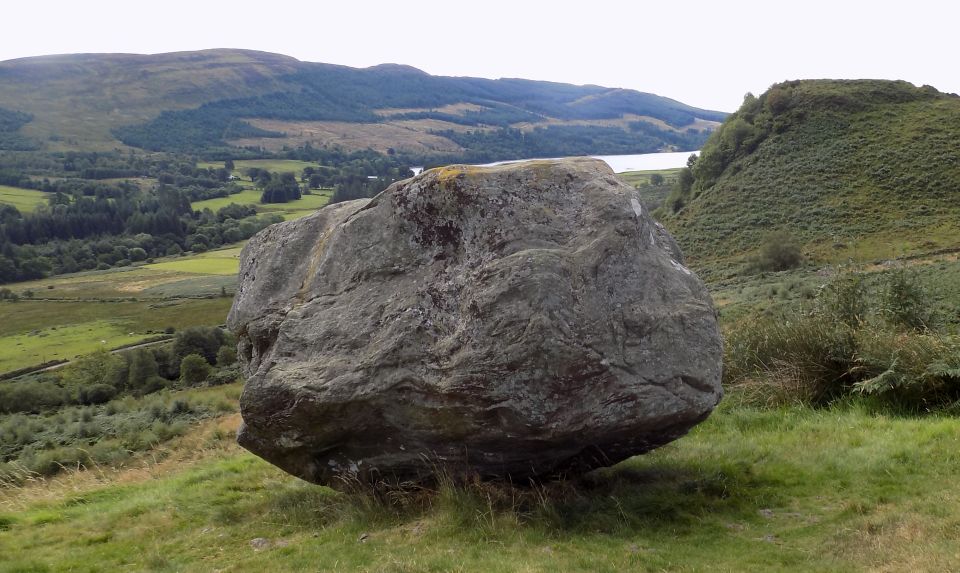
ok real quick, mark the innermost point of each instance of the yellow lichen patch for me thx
(451, 172)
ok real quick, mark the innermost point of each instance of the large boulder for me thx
(525, 320)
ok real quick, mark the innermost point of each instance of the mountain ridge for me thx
(200, 100)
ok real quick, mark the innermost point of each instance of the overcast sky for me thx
(705, 53)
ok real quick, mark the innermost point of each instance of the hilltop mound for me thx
(214, 99)
(849, 168)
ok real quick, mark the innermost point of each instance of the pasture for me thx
(271, 165)
(70, 315)
(25, 200)
(35, 331)
(220, 262)
(292, 210)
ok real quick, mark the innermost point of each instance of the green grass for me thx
(62, 342)
(25, 200)
(293, 210)
(219, 262)
(852, 169)
(272, 165)
(302, 207)
(777, 490)
(636, 178)
(120, 306)
(65, 329)
(246, 197)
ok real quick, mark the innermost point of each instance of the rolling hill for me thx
(859, 169)
(217, 99)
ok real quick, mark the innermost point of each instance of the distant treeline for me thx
(96, 225)
(10, 124)
(562, 141)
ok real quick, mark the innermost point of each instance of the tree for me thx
(143, 372)
(100, 367)
(202, 340)
(656, 179)
(8, 271)
(226, 356)
(193, 369)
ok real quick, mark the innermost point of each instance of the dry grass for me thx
(406, 136)
(208, 440)
(460, 109)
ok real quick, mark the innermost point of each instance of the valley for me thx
(822, 216)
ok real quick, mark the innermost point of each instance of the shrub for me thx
(97, 394)
(202, 340)
(226, 356)
(904, 301)
(142, 371)
(846, 345)
(222, 376)
(779, 252)
(845, 298)
(100, 367)
(194, 370)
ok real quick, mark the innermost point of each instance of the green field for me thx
(636, 178)
(25, 200)
(63, 342)
(32, 332)
(293, 210)
(219, 262)
(302, 207)
(245, 197)
(70, 315)
(789, 489)
(271, 165)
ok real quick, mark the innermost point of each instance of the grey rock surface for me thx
(525, 320)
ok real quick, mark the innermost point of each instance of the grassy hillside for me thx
(200, 101)
(863, 169)
(76, 100)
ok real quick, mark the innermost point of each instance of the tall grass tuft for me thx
(854, 341)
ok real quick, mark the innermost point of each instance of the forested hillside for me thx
(214, 101)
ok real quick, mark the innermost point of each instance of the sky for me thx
(703, 53)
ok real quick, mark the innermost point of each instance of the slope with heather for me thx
(859, 169)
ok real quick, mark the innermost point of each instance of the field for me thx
(302, 207)
(789, 489)
(69, 315)
(652, 196)
(293, 210)
(25, 200)
(271, 165)
(219, 262)
(245, 197)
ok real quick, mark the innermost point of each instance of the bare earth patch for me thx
(460, 109)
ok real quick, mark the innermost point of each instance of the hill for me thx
(858, 169)
(209, 100)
